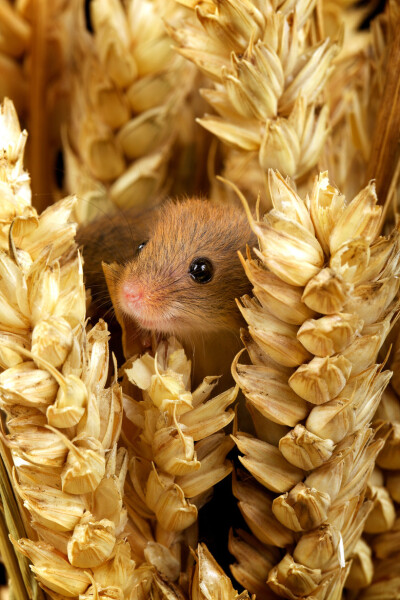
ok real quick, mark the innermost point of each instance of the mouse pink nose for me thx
(133, 294)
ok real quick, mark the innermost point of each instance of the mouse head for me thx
(184, 277)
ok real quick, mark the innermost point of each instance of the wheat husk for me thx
(362, 569)
(254, 562)
(209, 580)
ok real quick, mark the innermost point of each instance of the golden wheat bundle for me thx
(128, 89)
(326, 296)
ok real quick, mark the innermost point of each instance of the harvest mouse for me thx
(173, 270)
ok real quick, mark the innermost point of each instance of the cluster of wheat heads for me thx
(84, 532)
(102, 484)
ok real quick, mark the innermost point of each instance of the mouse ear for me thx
(134, 340)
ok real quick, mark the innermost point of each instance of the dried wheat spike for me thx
(179, 451)
(128, 88)
(326, 295)
(268, 76)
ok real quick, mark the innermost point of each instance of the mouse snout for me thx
(137, 301)
(132, 295)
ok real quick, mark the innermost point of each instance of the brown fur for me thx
(177, 232)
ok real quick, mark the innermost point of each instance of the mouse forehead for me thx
(188, 228)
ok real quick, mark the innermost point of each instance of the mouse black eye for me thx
(201, 270)
(140, 247)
